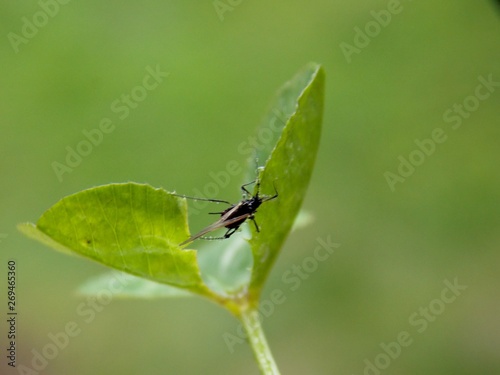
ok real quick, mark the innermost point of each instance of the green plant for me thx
(137, 229)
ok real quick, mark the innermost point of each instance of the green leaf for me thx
(226, 266)
(124, 285)
(289, 168)
(130, 227)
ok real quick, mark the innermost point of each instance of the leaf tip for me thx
(26, 228)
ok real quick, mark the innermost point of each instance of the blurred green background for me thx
(398, 246)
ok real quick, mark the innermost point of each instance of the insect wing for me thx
(221, 223)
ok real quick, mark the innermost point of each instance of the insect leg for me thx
(255, 223)
(267, 197)
(230, 232)
(245, 191)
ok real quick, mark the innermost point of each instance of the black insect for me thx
(235, 215)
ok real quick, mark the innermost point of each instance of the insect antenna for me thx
(202, 199)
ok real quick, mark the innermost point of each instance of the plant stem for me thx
(251, 321)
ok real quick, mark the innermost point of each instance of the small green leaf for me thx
(289, 168)
(226, 266)
(130, 227)
(124, 285)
